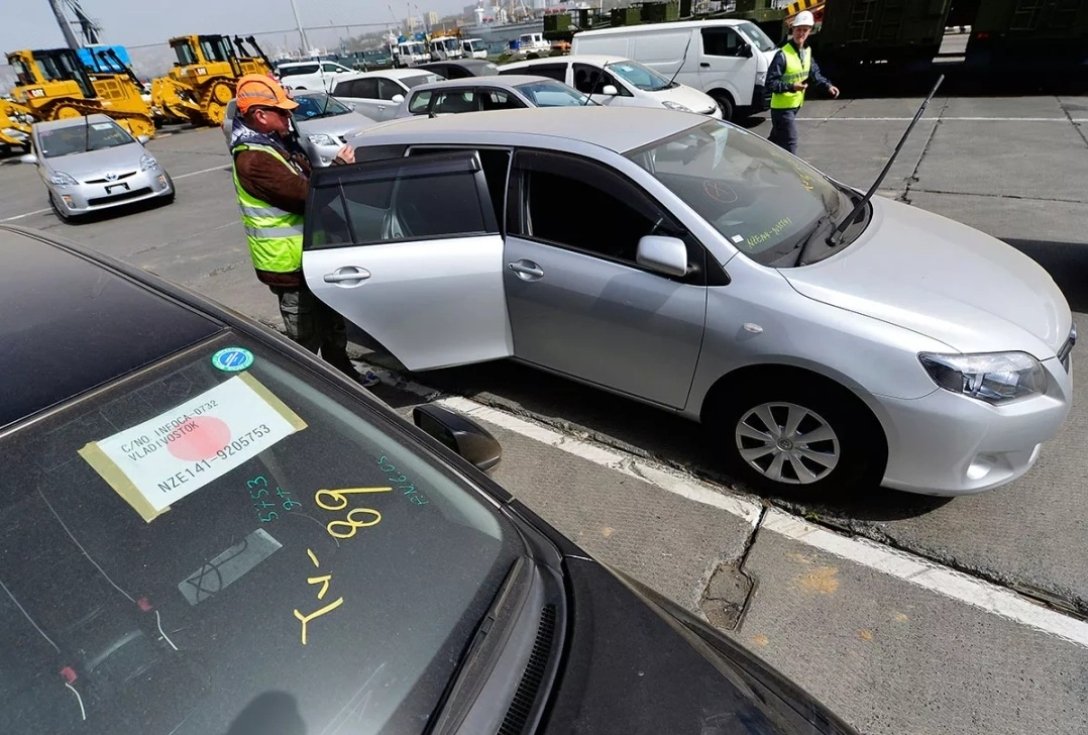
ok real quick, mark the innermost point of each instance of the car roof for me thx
(388, 73)
(597, 59)
(491, 80)
(72, 324)
(69, 122)
(617, 129)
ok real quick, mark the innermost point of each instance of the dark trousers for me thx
(784, 129)
(314, 325)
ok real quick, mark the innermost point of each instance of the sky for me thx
(31, 24)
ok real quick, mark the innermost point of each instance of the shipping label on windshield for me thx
(174, 454)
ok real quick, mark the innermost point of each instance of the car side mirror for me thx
(28, 158)
(398, 98)
(460, 433)
(745, 51)
(143, 138)
(610, 90)
(668, 255)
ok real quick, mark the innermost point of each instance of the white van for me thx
(473, 48)
(727, 59)
(617, 82)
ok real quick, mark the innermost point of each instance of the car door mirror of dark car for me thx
(668, 255)
(460, 433)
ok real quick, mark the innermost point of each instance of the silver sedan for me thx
(91, 163)
(475, 94)
(690, 264)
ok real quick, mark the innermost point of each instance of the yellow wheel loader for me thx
(15, 120)
(53, 85)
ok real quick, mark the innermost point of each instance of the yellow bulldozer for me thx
(202, 81)
(15, 120)
(52, 84)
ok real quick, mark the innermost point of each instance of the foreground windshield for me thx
(552, 94)
(86, 137)
(318, 105)
(761, 199)
(756, 36)
(215, 546)
(637, 75)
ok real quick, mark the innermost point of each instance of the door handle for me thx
(704, 64)
(527, 270)
(346, 274)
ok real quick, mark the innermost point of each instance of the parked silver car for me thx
(377, 94)
(688, 263)
(475, 94)
(92, 163)
(323, 124)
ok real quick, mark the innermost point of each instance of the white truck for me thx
(726, 59)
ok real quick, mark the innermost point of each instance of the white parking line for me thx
(899, 564)
(175, 178)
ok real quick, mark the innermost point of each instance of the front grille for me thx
(119, 177)
(1067, 348)
(119, 197)
(522, 706)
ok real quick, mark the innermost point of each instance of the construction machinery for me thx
(15, 120)
(202, 81)
(53, 84)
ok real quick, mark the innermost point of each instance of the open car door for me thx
(409, 250)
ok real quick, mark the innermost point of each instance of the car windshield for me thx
(415, 81)
(761, 199)
(221, 541)
(89, 136)
(552, 94)
(637, 75)
(756, 36)
(314, 106)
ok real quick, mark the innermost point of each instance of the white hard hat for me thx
(804, 18)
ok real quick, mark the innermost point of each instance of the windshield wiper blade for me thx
(821, 227)
(835, 237)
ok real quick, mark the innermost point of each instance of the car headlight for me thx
(62, 179)
(148, 162)
(676, 106)
(993, 377)
(321, 139)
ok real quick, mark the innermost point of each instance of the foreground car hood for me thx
(94, 164)
(940, 278)
(336, 126)
(634, 666)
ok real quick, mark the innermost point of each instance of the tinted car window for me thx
(455, 101)
(388, 89)
(720, 41)
(496, 165)
(558, 72)
(398, 203)
(361, 88)
(290, 71)
(200, 547)
(591, 80)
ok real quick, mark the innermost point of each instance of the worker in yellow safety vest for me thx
(791, 70)
(272, 181)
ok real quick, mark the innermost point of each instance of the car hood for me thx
(637, 663)
(337, 125)
(689, 97)
(94, 164)
(945, 280)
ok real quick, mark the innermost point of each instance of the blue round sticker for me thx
(232, 359)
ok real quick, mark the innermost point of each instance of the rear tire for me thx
(798, 439)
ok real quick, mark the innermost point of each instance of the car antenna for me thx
(86, 133)
(683, 60)
(836, 235)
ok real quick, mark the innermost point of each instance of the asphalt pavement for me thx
(977, 650)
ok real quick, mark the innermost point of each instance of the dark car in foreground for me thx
(206, 530)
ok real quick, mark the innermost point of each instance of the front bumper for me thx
(96, 195)
(949, 444)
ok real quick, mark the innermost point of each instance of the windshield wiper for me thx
(819, 231)
(836, 237)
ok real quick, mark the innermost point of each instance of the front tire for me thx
(725, 102)
(800, 440)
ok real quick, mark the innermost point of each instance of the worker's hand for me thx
(800, 86)
(345, 155)
(833, 91)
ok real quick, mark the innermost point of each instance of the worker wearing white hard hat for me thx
(791, 71)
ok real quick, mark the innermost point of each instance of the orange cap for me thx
(257, 90)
